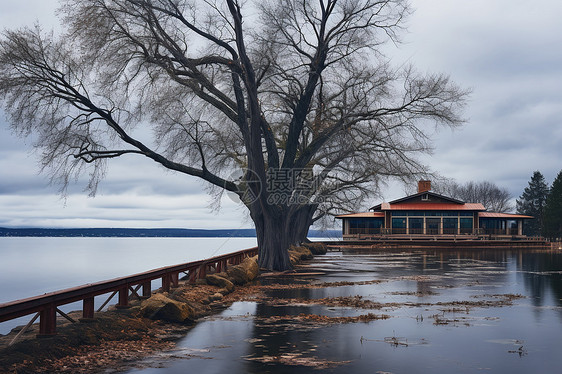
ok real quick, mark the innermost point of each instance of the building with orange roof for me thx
(426, 214)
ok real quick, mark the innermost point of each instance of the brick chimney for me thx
(424, 186)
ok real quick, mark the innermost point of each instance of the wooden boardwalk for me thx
(403, 243)
(46, 306)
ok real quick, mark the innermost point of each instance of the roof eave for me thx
(378, 207)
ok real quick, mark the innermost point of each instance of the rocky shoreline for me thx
(117, 339)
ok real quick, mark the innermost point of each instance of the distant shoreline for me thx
(143, 233)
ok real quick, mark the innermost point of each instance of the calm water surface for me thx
(423, 334)
(33, 266)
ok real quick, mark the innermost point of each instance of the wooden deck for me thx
(444, 242)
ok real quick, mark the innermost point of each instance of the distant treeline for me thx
(148, 233)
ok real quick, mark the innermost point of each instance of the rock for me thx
(294, 258)
(316, 248)
(237, 275)
(221, 282)
(300, 253)
(244, 272)
(250, 265)
(160, 307)
(223, 274)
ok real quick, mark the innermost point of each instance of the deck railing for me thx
(500, 231)
(46, 306)
(432, 231)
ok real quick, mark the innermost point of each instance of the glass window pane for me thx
(399, 223)
(415, 223)
(449, 223)
(466, 223)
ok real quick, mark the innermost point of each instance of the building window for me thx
(399, 225)
(365, 225)
(450, 225)
(415, 225)
(433, 226)
(466, 225)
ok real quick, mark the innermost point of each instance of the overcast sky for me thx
(509, 52)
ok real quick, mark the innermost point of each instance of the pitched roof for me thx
(456, 201)
(362, 215)
(412, 197)
(435, 206)
(503, 215)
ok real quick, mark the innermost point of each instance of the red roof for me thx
(502, 215)
(433, 206)
(468, 206)
(362, 215)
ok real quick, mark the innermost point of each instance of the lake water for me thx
(450, 312)
(33, 266)
(445, 307)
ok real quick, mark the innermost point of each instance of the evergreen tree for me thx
(532, 203)
(552, 219)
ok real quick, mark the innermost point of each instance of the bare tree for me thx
(494, 198)
(296, 98)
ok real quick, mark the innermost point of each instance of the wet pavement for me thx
(397, 312)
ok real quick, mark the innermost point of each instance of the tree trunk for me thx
(273, 241)
(300, 222)
(277, 230)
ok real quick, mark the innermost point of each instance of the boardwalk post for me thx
(192, 272)
(146, 290)
(224, 265)
(175, 278)
(87, 309)
(203, 271)
(48, 321)
(123, 297)
(166, 282)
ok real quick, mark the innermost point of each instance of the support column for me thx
(166, 282)
(87, 309)
(123, 298)
(520, 227)
(192, 275)
(203, 268)
(146, 290)
(48, 321)
(407, 225)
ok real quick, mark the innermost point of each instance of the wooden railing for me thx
(431, 231)
(46, 306)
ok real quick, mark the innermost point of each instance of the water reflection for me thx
(450, 312)
(542, 275)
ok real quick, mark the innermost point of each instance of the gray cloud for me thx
(507, 52)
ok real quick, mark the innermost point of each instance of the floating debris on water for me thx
(297, 359)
